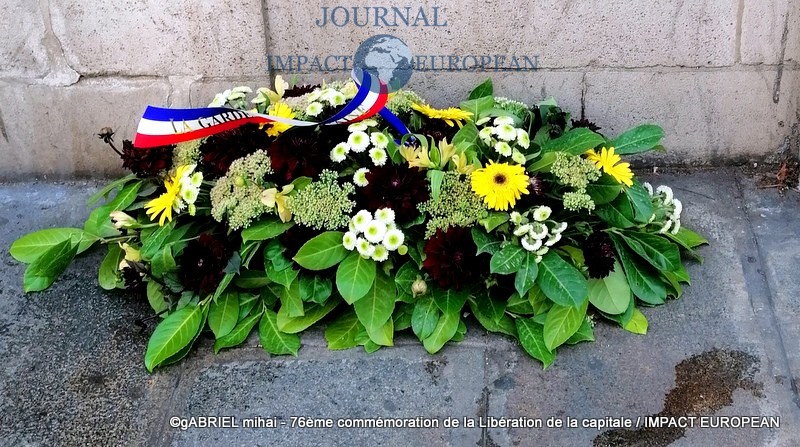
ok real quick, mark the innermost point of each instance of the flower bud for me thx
(419, 287)
(122, 220)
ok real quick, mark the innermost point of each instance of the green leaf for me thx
(355, 277)
(642, 204)
(425, 317)
(290, 299)
(618, 213)
(688, 238)
(383, 336)
(163, 262)
(531, 337)
(251, 279)
(574, 142)
(604, 190)
(402, 316)
(637, 324)
(611, 294)
(405, 277)
(224, 314)
(124, 198)
(490, 313)
(273, 340)
(283, 277)
(315, 288)
(32, 246)
(322, 252)
(493, 220)
(526, 275)
(110, 187)
(155, 296)
(561, 281)
(466, 136)
(173, 334)
(341, 334)
(223, 285)
(376, 308)
(562, 322)
(644, 283)
(445, 329)
(508, 260)
(99, 223)
(539, 301)
(484, 89)
(517, 304)
(264, 229)
(477, 106)
(450, 300)
(314, 313)
(584, 333)
(659, 252)
(247, 301)
(107, 275)
(485, 242)
(238, 335)
(639, 139)
(44, 270)
(175, 358)
(153, 243)
(544, 163)
(436, 178)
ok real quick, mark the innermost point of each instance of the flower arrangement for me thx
(514, 215)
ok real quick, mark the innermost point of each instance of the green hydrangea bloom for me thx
(324, 203)
(187, 153)
(576, 201)
(456, 206)
(519, 109)
(237, 195)
(400, 103)
(574, 171)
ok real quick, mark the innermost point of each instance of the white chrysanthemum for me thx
(351, 226)
(361, 220)
(358, 141)
(375, 231)
(505, 132)
(189, 195)
(676, 213)
(558, 229)
(667, 191)
(314, 109)
(515, 217)
(483, 121)
(537, 259)
(486, 135)
(542, 213)
(529, 245)
(676, 227)
(652, 218)
(349, 240)
(357, 127)
(503, 148)
(518, 157)
(370, 123)
(538, 230)
(385, 215)
(313, 96)
(380, 253)
(501, 120)
(339, 152)
(393, 239)
(666, 227)
(379, 140)
(360, 177)
(364, 247)
(378, 156)
(523, 139)
(648, 187)
(196, 179)
(523, 230)
(336, 99)
(391, 226)
(553, 239)
(542, 251)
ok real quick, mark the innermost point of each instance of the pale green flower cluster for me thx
(536, 231)
(237, 195)
(400, 103)
(456, 206)
(324, 203)
(519, 109)
(576, 172)
(187, 153)
(576, 201)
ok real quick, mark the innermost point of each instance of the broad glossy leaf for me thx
(491, 315)
(312, 314)
(584, 333)
(376, 307)
(450, 300)
(322, 252)
(224, 314)
(531, 337)
(173, 334)
(574, 142)
(290, 299)
(611, 294)
(264, 229)
(604, 190)
(508, 260)
(239, 333)
(484, 89)
(315, 288)
(526, 275)
(561, 281)
(641, 202)
(637, 324)
(107, 275)
(644, 282)
(425, 317)
(406, 275)
(354, 277)
(155, 296)
(31, 246)
(251, 279)
(658, 251)
(273, 340)
(283, 277)
(485, 242)
(155, 240)
(43, 271)
(639, 139)
(618, 213)
(342, 333)
(562, 322)
(443, 332)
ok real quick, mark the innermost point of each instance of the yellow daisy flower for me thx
(164, 203)
(451, 116)
(609, 162)
(282, 110)
(500, 184)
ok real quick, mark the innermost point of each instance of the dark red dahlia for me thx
(203, 262)
(598, 251)
(585, 123)
(222, 149)
(146, 162)
(438, 130)
(397, 187)
(303, 152)
(295, 237)
(450, 257)
(132, 278)
(299, 90)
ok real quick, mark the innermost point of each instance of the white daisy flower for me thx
(314, 109)
(553, 239)
(518, 157)
(351, 226)
(196, 179)
(648, 187)
(542, 251)
(385, 215)
(538, 259)
(515, 217)
(357, 127)
(337, 99)
(189, 195)
(667, 191)
(370, 123)
(542, 213)
(360, 177)
(361, 220)
(676, 213)
(523, 230)
(380, 253)
(676, 227)
(379, 140)
(378, 156)
(486, 135)
(375, 231)
(339, 152)
(313, 96)
(349, 240)
(391, 226)
(538, 230)
(666, 227)
(358, 141)
(529, 245)
(503, 148)
(506, 132)
(364, 247)
(393, 239)
(523, 139)
(501, 120)
(558, 229)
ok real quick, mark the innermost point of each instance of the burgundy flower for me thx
(222, 149)
(132, 278)
(203, 262)
(450, 257)
(585, 123)
(299, 90)
(397, 187)
(438, 130)
(303, 152)
(146, 162)
(598, 252)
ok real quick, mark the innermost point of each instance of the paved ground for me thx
(72, 371)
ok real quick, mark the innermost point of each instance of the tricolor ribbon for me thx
(162, 126)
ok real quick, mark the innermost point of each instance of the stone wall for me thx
(721, 76)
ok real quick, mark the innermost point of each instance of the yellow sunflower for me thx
(609, 162)
(280, 109)
(500, 184)
(451, 115)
